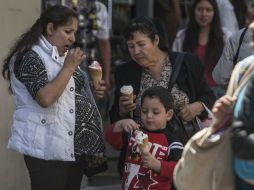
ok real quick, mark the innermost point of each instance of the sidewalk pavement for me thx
(108, 180)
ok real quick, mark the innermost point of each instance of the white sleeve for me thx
(102, 21)
(178, 42)
(222, 71)
(227, 15)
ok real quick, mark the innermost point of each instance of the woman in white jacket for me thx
(203, 36)
(56, 124)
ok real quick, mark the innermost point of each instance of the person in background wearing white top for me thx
(204, 37)
(222, 71)
(233, 14)
(227, 15)
(230, 57)
(94, 31)
(56, 124)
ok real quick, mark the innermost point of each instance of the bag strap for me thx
(239, 46)
(175, 70)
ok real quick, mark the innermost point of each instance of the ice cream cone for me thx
(128, 91)
(95, 73)
(144, 147)
(142, 141)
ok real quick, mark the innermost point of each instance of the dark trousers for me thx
(54, 175)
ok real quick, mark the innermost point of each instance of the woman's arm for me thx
(48, 94)
(196, 87)
(114, 132)
(201, 92)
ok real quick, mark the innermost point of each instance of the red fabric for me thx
(136, 176)
(113, 138)
(167, 168)
(200, 51)
(162, 146)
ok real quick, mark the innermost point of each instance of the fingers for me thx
(126, 105)
(186, 113)
(129, 124)
(79, 54)
(101, 86)
(100, 90)
(225, 104)
(75, 57)
(146, 158)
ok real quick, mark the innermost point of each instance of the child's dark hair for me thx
(161, 93)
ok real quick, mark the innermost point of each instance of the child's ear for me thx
(170, 114)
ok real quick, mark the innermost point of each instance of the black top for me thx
(190, 80)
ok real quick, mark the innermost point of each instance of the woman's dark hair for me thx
(149, 27)
(161, 93)
(215, 40)
(58, 15)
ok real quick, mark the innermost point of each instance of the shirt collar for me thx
(52, 50)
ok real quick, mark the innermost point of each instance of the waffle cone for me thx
(144, 147)
(132, 99)
(96, 76)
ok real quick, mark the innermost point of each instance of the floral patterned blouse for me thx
(180, 98)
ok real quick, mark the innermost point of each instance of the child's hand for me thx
(125, 125)
(151, 162)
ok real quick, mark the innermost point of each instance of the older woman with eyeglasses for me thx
(152, 65)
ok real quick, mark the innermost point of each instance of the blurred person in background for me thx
(169, 12)
(233, 14)
(237, 48)
(204, 37)
(93, 32)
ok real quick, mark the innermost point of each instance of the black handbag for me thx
(183, 130)
(94, 164)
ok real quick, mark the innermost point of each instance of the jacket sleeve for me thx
(198, 87)
(222, 71)
(114, 139)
